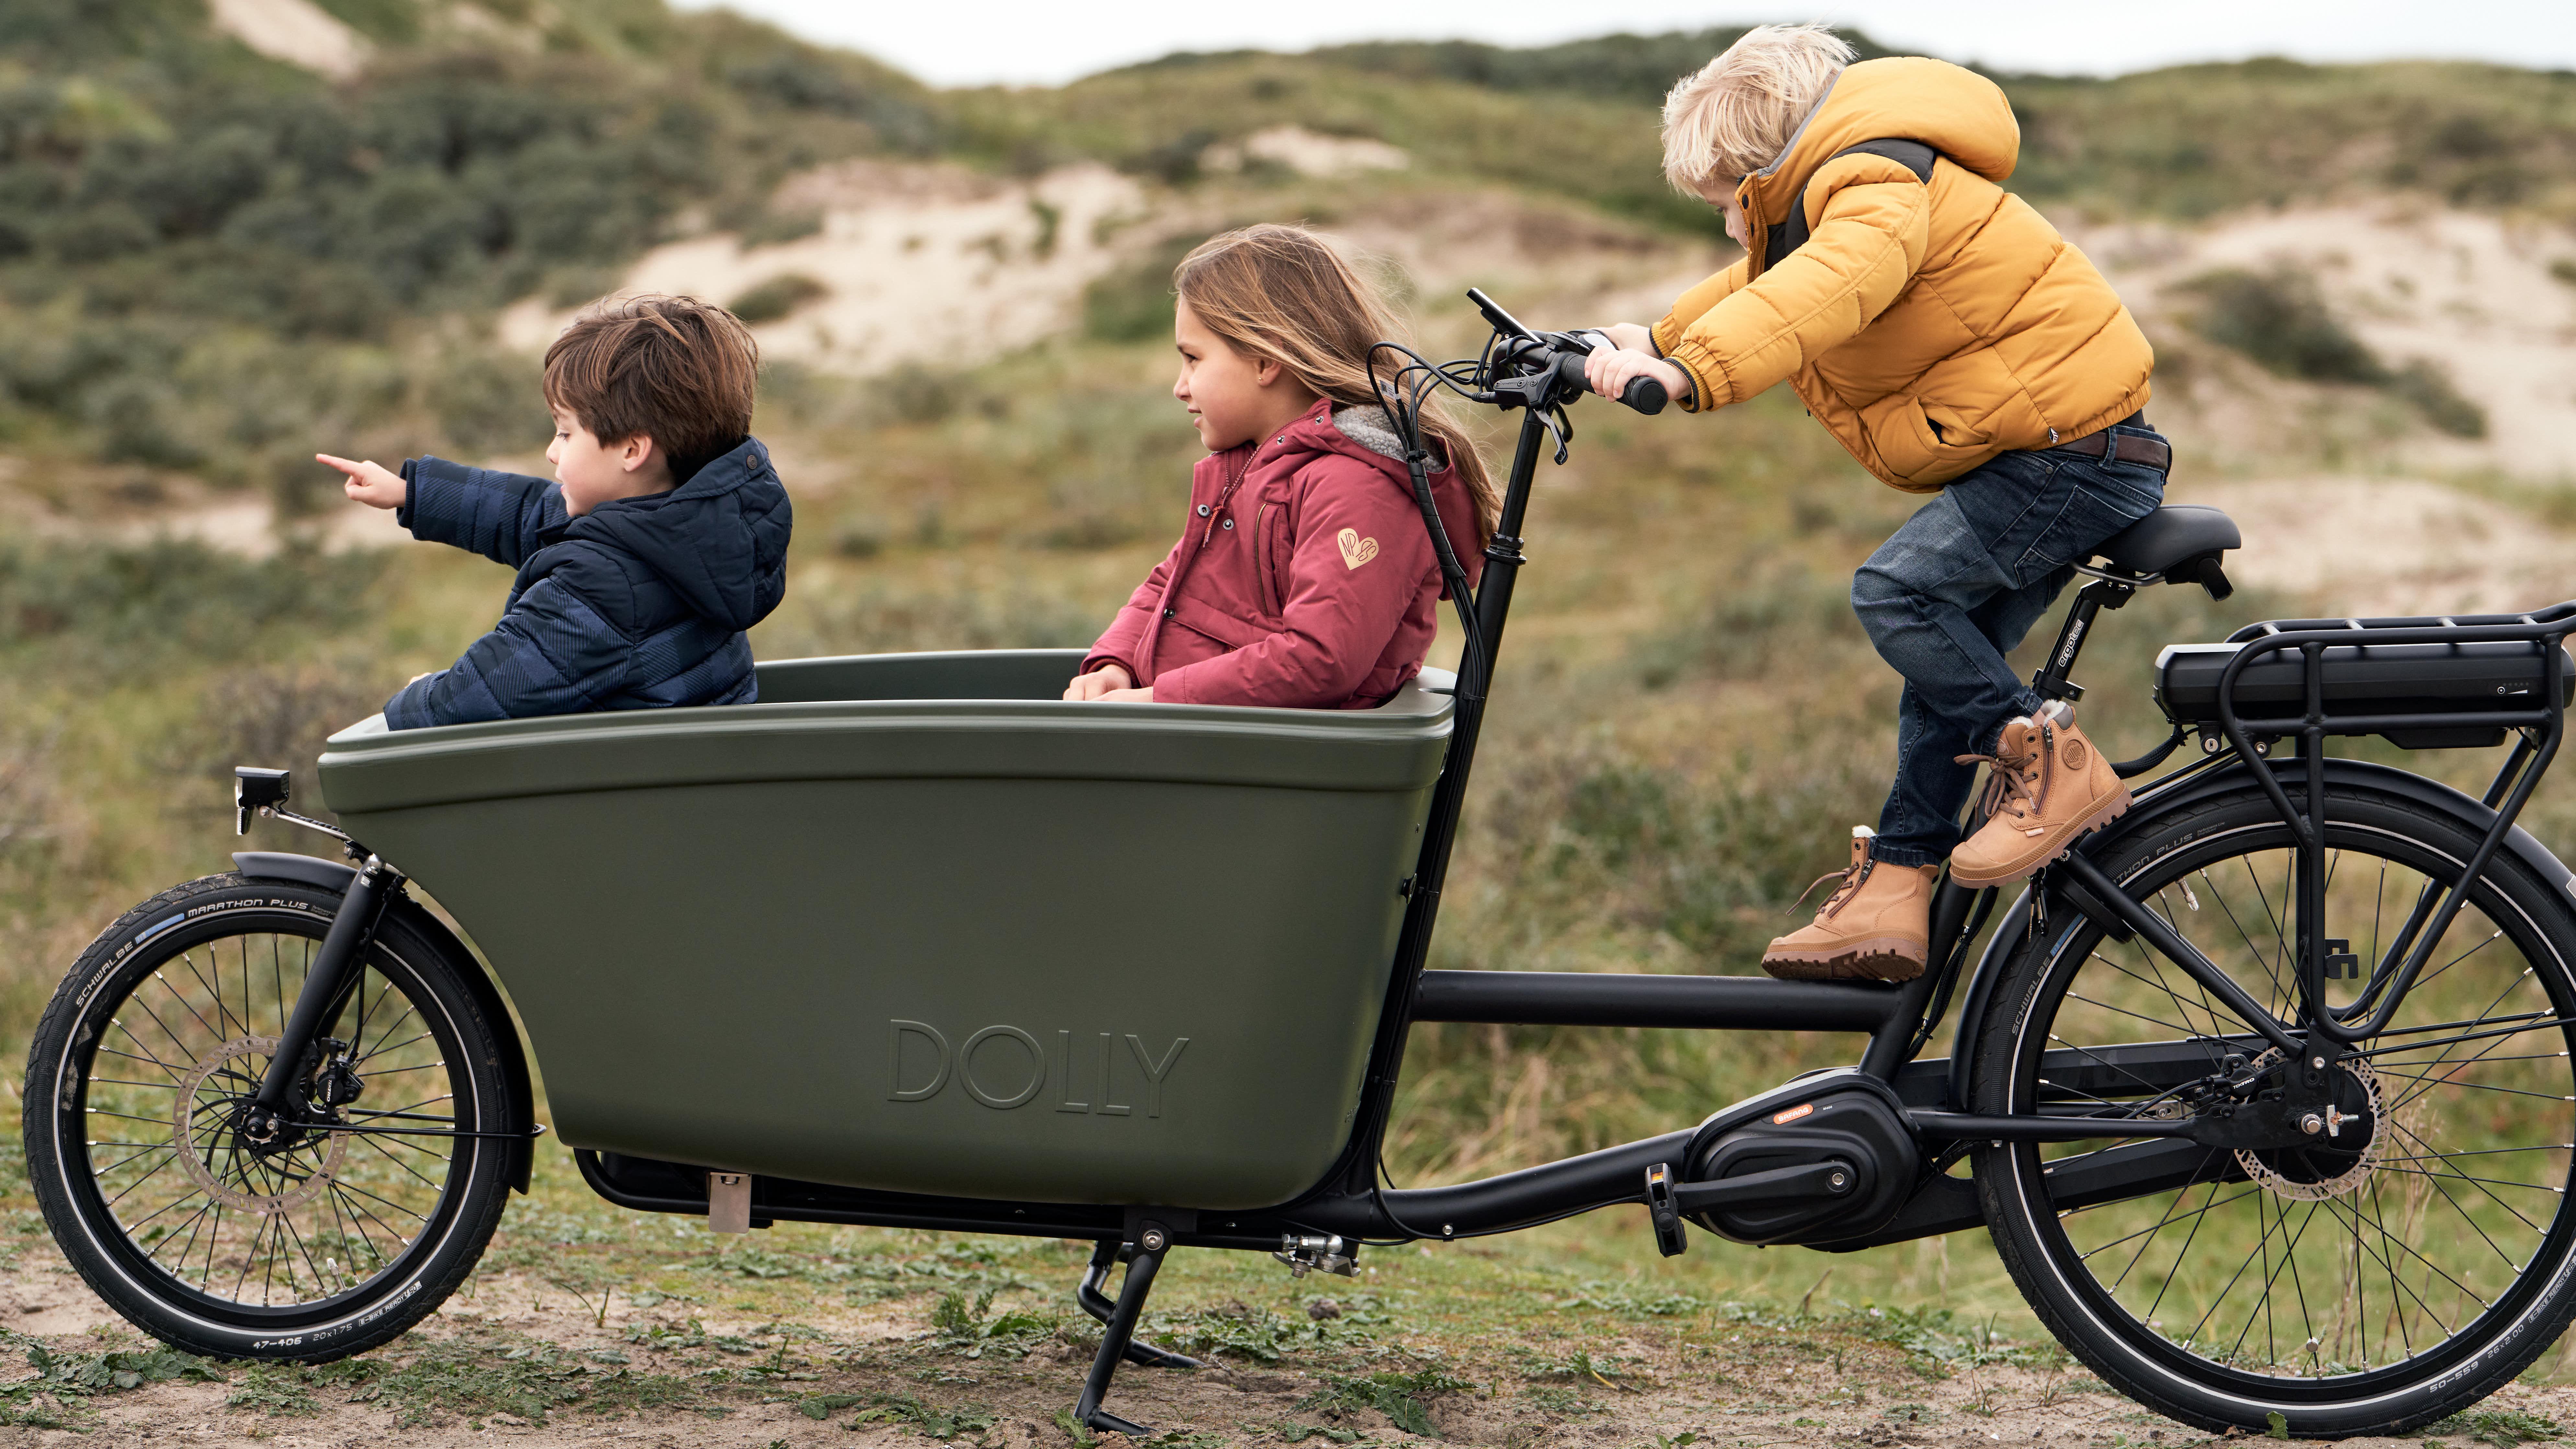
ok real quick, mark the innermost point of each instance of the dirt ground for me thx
(520, 1359)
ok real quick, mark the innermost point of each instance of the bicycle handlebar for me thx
(1562, 352)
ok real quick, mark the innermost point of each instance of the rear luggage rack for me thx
(2458, 682)
(2441, 682)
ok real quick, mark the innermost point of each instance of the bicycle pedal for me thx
(1671, 1238)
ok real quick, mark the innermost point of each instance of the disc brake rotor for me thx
(2345, 1150)
(199, 1171)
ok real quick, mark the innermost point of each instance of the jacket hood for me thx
(1949, 108)
(1368, 440)
(719, 540)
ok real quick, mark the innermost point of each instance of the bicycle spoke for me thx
(309, 1220)
(2341, 1257)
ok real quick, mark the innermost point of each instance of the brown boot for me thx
(1877, 925)
(2047, 785)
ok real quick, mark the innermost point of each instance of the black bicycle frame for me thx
(2540, 731)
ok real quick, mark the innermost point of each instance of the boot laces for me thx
(1851, 877)
(2011, 781)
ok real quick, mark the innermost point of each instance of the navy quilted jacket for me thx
(640, 603)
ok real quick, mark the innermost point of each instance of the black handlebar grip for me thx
(1645, 395)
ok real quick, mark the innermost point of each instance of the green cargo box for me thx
(914, 923)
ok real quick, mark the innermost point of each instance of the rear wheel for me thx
(332, 1237)
(2396, 1270)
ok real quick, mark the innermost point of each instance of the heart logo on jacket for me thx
(1355, 549)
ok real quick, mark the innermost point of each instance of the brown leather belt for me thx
(2109, 446)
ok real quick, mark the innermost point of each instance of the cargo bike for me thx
(2264, 1092)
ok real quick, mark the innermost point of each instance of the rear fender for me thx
(331, 875)
(2156, 808)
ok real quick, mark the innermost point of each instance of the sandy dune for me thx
(2389, 547)
(2470, 291)
(920, 264)
(298, 32)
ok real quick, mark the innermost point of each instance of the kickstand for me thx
(1118, 1337)
(1106, 1255)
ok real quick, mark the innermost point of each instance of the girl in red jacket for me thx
(1304, 577)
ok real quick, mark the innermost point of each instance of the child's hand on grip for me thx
(1610, 372)
(369, 483)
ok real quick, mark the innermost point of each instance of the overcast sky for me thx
(1046, 42)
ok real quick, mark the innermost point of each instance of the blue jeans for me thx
(1953, 592)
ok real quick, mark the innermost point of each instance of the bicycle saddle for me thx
(2182, 542)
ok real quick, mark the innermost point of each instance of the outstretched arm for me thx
(369, 482)
(498, 515)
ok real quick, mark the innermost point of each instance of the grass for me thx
(211, 261)
(1687, 722)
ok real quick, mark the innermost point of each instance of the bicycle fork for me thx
(337, 967)
(328, 985)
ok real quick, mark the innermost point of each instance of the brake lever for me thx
(1560, 427)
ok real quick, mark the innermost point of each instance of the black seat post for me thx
(2102, 593)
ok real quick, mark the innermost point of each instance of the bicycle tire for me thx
(162, 1027)
(2329, 1376)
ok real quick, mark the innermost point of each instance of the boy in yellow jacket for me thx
(1946, 334)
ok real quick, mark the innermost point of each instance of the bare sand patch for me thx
(298, 32)
(1308, 153)
(916, 264)
(2383, 547)
(2472, 292)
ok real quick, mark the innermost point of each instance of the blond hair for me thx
(1735, 115)
(1279, 292)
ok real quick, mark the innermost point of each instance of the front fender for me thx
(331, 875)
(2160, 803)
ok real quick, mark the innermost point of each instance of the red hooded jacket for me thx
(1309, 584)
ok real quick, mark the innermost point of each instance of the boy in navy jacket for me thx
(663, 540)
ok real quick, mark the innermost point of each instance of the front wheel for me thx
(323, 1241)
(2392, 1271)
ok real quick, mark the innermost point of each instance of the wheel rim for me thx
(249, 1232)
(2366, 1265)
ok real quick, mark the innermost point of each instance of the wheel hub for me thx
(243, 1126)
(2345, 1137)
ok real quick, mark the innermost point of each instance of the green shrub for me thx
(1133, 303)
(2427, 384)
(170, 595)
(2280, 320)
(486, 400)
(777, 297)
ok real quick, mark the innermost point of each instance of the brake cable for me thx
(1404, 418)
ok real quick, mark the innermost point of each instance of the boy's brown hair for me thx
(677, 370)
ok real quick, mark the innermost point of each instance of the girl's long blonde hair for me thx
(1279, 292)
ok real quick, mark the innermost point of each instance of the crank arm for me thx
(1830, 1178)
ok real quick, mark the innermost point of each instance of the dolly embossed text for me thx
(1087, 1076)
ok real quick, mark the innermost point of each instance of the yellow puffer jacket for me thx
(1929, 325)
